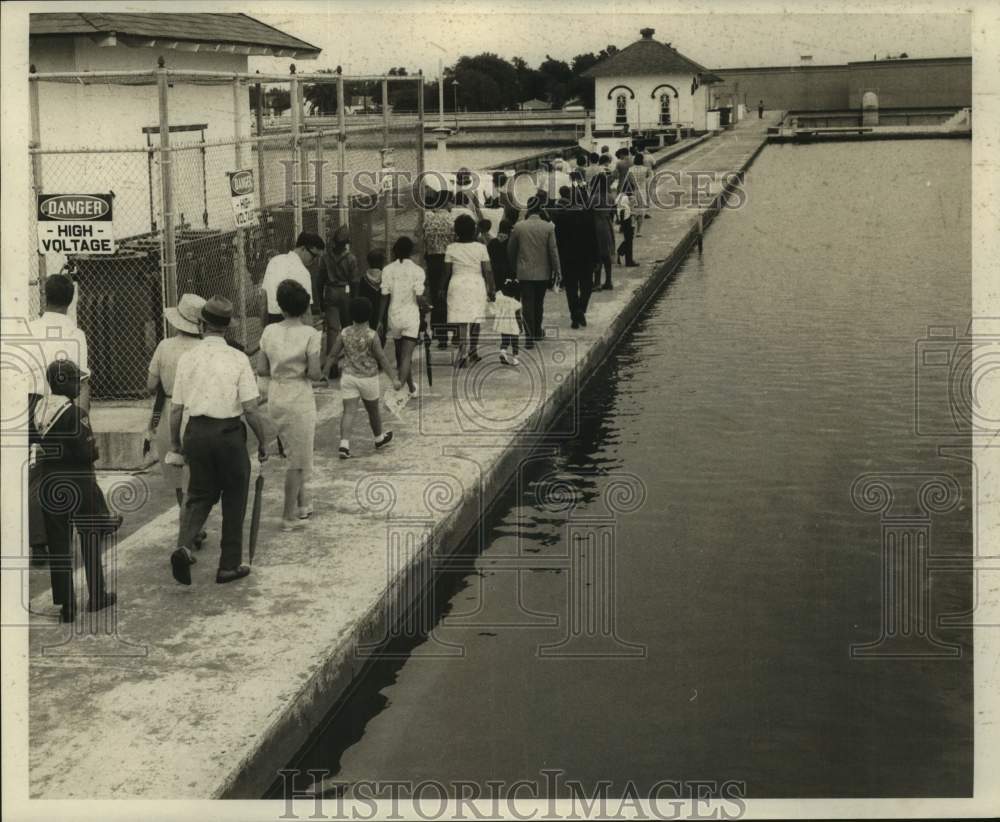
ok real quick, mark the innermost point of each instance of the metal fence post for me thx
(240, 259)
(168, 257)
(293, 99)
(259, 119)
(386, 194)
(342, 193)
(36, 178)
(420, 156)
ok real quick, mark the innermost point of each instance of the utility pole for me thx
(440, 93)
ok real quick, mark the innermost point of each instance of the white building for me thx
(115, 114)
(650, 87)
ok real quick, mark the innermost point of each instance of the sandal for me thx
(232, 574)
(180, 566)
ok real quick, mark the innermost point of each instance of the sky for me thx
(372, 37)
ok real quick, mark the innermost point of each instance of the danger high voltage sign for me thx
(75, 224)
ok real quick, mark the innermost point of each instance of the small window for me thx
(621, 110)
(664, 109)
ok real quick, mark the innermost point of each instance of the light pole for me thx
(440, 85)
(454, 88)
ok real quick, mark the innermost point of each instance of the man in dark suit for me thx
(534, 259)
(576, 242)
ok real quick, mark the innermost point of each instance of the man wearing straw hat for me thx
(215, 385)
(184, 320)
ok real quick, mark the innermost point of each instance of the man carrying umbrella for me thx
(216, 386)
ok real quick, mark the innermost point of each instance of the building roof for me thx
(536, 103)
(649, 56)
(237, 33)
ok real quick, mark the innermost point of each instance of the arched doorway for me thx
(664, 109)
(621, 109)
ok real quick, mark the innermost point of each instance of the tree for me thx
(530, 84)
(321, 96)
(486, 82)
(579, 86)
(278, 99)
(556, 76)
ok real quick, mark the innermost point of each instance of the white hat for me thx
(187, 313)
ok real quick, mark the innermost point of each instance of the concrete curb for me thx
(278, 744)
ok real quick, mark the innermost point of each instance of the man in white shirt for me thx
(56, 337)
(291, 266)
(216, 386)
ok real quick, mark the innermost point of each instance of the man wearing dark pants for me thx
(439, 231)
(534, 259)
(339, 279)
(577, 253)
(215, 385)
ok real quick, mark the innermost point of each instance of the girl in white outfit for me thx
(403, 283)
(506, 314)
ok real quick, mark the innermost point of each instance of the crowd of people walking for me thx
(323, 316)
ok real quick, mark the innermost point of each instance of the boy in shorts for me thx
(358, 352)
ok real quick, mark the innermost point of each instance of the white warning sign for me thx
(75, 224)
(241, 189)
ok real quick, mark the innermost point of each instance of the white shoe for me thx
(514, 361)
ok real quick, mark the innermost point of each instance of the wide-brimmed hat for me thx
(217, 312)
(187, 313)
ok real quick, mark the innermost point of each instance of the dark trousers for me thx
(216, 453)
(579, 285)
(437, 293)
(336, 308)
(509, 341)
(374, 296)
(625, 246)
(71, 498)
(604, 261)
(533, 307)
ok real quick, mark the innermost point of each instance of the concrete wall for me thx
(945, 82)
(644, 109)
(110, 115)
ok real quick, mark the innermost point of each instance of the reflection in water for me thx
(775, 370)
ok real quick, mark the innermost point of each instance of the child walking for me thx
(506, 320)
(359, 353)
(69, 494)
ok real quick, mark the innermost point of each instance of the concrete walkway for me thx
(205, 691)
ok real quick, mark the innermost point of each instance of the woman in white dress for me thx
(403, 283)
(470, 285)
(290, 356)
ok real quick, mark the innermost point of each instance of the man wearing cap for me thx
(214, 385)
(291, 266)
(338, 276)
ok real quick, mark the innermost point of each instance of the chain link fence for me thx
(177, 227)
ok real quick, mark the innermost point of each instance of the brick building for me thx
(901, 83)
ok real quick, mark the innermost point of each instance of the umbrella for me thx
(427, 350)
(258, 491)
